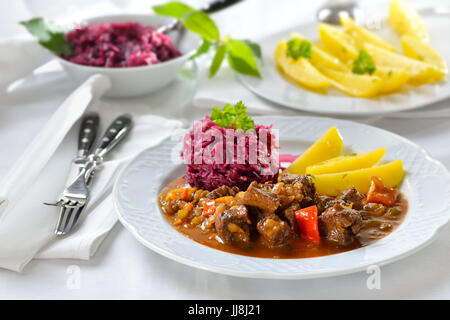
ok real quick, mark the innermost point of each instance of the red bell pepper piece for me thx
(308, 223)
(209, 207)
(381, 193)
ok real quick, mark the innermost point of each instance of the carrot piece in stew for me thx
(308, 223)
(209, 207)
(381, 193)
(185, 194)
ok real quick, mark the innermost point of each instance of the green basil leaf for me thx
(241, 58)
(201, 50)
(217, 60)
(242, 66)
(200, 23)
(255, 48)
(172, 9)
(48, 35)
(58, 44)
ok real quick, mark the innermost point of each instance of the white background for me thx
(124, 269)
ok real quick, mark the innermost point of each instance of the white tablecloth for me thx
(123, 268)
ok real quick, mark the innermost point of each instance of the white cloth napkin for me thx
(26, 225)
(19, 57)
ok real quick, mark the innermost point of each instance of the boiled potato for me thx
(393, 78)
(347, 162)
(327, 147)
(362, 35)
(418, 49)
(300, 70)
(321, 58)
(357, 85)
(420, 72)
(334, 183)
(338, 43)
(405, 20)
(342, 50)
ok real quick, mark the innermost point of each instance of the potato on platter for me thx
(338, 43)
(321, 58)
(418, 49)
(419, 72)
(361, 35)
(334, 183)
(357, 85)
(347, 162)
(405, 19)
(393, 78)
(300, 70)
(328, 146)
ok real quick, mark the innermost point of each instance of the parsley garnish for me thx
(299, 48)
(233, 117)
(363, 64)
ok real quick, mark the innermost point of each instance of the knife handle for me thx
(218, 5)
(114, 134)
(88, 133)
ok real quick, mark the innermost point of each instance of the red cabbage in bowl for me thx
(118, 45)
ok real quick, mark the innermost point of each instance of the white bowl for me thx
(135, 81)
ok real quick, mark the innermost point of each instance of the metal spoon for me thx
(333, 10)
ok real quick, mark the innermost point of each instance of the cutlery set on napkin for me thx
(27, 227)
(76, 194)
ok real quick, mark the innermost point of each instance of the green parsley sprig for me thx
(297, 48)
(233, 117)
(241, 55)
(363, 64)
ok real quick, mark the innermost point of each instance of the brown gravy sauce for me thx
(299, 248)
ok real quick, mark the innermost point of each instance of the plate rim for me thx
(269, 275)
(413, 106)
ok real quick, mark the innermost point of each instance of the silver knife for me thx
(112, 136)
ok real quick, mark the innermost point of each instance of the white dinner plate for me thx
(275, 88)
(426, 186)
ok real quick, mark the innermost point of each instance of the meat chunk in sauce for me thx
(305, 191)
(288, 215)
(274, 230)
(340, 224)
(349, 198)
(259, 198)
(222, 191)
(324, 202)
(233, 225)
(352, 196)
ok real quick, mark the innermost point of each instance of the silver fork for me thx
(86, 138)
(69, 215)
(77, 193)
